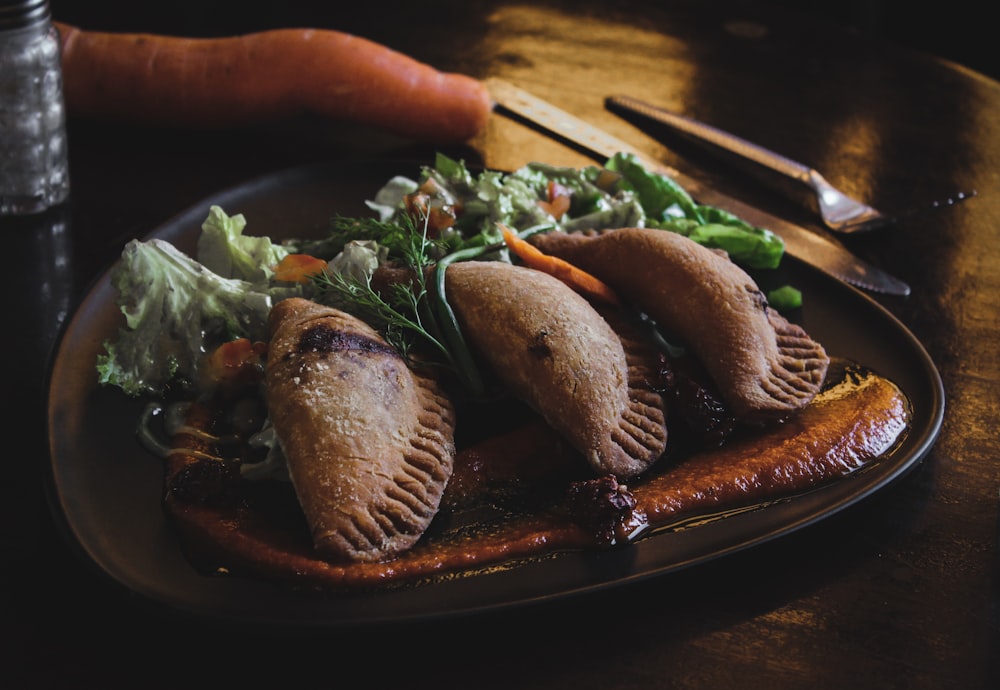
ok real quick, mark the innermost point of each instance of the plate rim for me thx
(919, 443)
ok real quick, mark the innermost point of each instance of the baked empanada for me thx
(764, 366)
(369, 441)
(559, 355)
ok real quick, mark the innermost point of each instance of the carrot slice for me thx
(298, 268)
(585, 283)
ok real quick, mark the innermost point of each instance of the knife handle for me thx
(716, 140)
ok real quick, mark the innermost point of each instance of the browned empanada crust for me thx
(559, 355)
(764, 366)
(369, 442)
(642, 432)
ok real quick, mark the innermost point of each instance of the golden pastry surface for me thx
(558, 354)
(368, 441)
(764, 366)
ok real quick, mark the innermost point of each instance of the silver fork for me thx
(839, 212)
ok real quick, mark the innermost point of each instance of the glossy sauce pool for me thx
(856, 420)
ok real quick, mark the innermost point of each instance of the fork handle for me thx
(718, 140)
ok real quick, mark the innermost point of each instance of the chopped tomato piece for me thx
(438, 215)
(557, 203)
(608, 180)
(236, 362)
(298, 268)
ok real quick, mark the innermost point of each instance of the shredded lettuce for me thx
(225, 250)
(391, 196)
(660, 196)
(174, 308)
(622, 193)
(359, 259)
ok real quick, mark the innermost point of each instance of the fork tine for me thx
(842, 213)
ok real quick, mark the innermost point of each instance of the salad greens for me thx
(225, 250)
(178, 308)
(170, 302)
(622, 193)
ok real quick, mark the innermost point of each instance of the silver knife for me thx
(818, 251)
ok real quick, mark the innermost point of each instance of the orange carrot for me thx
(298, 268)
(213, 82)
(578, 279)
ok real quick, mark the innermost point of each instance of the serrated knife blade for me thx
(820, 252)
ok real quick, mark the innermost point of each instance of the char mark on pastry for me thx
(558, 354)
(322, 338)
(369, 442)
(765, 367)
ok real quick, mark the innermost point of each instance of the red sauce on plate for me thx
(498, 514)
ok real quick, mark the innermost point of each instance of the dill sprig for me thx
(395, 235)
(397, 317)
(405, 312)
(401, 236)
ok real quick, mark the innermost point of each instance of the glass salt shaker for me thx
(34, 167)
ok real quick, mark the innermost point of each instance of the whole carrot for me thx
(217, 82)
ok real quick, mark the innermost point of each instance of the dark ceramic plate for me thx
(106, 488)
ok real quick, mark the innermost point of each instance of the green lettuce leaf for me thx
(225, 250)
(175, 311)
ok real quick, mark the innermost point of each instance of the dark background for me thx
(958, 31)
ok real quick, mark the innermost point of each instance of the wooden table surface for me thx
(901, 590)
